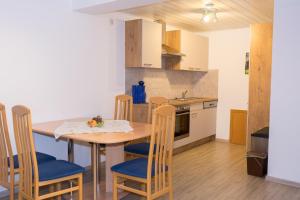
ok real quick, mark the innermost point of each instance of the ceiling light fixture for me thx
(209, 13)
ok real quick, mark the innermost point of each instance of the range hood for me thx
(167, 50)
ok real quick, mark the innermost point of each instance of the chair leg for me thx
(12, 188)
(11, 194)
(148, 185)
(20, 196)
(80, 184)
(115, 187)
(170, 186)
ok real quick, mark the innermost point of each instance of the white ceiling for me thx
(185, 13)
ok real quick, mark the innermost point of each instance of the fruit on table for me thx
(98, 119)
(92, 123)
(96, 122)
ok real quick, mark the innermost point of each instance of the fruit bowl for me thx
(96, 122)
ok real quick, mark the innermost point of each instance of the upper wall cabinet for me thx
(143, 44)
(195, 48)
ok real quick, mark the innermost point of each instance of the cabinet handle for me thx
(147, 64)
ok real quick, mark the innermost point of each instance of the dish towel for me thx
(109, 126)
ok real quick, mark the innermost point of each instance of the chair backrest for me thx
(5, 150)
(161, 146)
(26, 151)
(155, 102)
(123, 107)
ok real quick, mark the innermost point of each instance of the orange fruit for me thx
(92, 123)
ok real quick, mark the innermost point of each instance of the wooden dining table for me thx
(113, 143)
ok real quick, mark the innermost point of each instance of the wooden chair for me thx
(33, 176)
(158, 166)
(141, 149)
(123, 108)
(123, 111)
(9, 163)
(155, 102)
(7, 171)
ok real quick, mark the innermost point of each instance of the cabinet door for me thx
(209, 121)
(202, 122)
(196, 122)
(195, 47)
(151, 44)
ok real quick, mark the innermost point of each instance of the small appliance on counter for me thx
(138, 93)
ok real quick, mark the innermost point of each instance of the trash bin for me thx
(260, 140)
(257, 164)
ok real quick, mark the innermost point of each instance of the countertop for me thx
(175, 102)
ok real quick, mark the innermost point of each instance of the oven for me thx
(182, 124)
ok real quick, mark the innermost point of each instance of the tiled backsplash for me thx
(171, 83)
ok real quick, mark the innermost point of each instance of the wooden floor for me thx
(216, 171)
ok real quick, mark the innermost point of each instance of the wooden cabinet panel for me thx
(133, 44)
(259, 78)
(143, 44)
(140, 113)
(173, 39)
(238, 126)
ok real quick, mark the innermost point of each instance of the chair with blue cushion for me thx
(34, 175)
(157, 167)
(141, 149)
(9, 163)
(123, 107)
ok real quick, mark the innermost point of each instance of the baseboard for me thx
(193, 144)
(222, 140)
(283, 181)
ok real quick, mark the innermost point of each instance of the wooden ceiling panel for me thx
(231, 13)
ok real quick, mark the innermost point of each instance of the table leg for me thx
(70, 150)
(71, 157)
(114, 155)
(95, 170)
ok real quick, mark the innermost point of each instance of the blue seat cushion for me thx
(58, 169)
(41, 158)
(136, 167)
(139, 148)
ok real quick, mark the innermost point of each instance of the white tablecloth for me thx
(110, 126)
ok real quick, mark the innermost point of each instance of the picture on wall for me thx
(247, 63)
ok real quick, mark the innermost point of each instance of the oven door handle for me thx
(185, 113)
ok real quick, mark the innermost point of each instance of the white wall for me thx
(284, 143)
(227, 51)
(60, 63)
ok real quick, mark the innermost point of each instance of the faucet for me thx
(183, 94)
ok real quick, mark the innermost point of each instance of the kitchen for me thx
(74, 57)
(173, 65)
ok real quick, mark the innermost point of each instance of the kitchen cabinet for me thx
(195, 48)
(140, 113)
(143, 44)
(203, 119)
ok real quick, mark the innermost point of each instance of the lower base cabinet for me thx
(202, 121)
